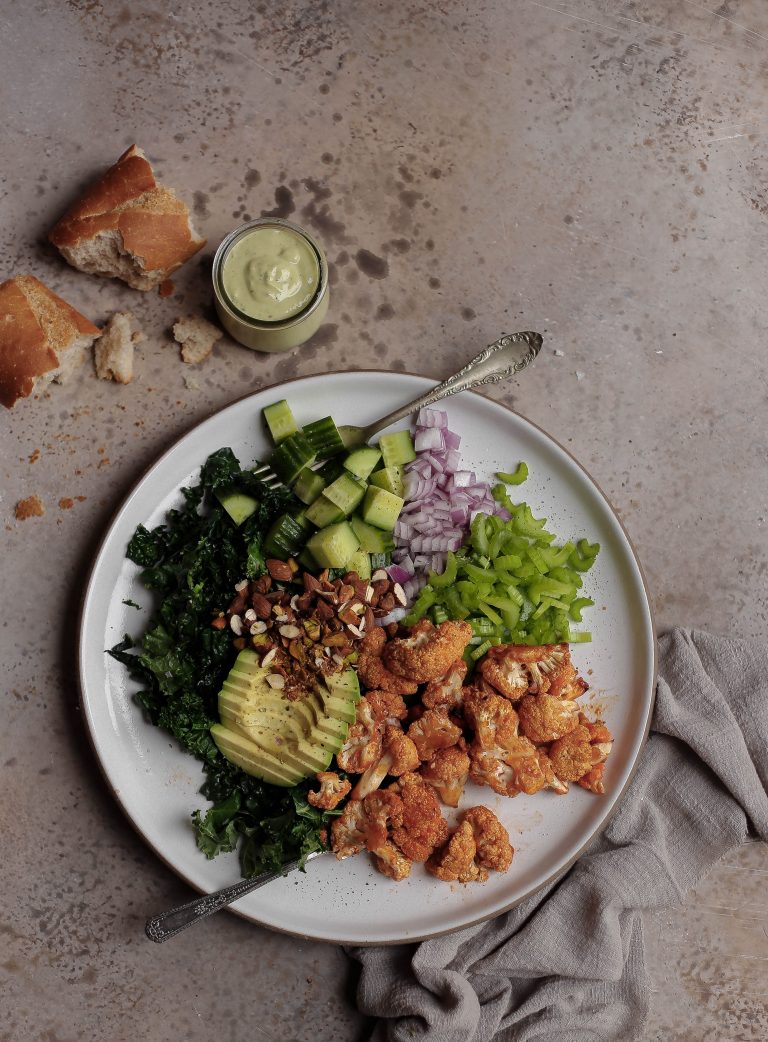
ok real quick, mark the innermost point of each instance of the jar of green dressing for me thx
(270, 284)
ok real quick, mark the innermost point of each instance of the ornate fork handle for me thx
(505, 357)
(162, 927)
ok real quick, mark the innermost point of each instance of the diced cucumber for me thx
(372, 540)
(291, 456)
(380, 561)
(390, 479)
(381, 508)
(286, 537)
(346, 492)
(359, 562)
(331, 469)
(397, 448)
(307, 561)
(323, 435)
(362, 461)
(309, 485)
(323, 512)
(333, 546)
(280, 421)
(237, 504)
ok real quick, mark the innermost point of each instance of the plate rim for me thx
(83, 704)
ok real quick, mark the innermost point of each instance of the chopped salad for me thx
(349, 652)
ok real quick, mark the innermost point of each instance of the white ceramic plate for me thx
(350, 902)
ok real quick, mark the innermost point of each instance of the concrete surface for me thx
(596, 170)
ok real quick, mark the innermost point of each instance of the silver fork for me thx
(505, 357)
(162, 927)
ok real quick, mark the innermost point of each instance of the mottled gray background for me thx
(593, 169)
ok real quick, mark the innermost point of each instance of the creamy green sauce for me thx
(271, 274)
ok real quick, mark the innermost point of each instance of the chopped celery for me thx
(517, 478)
(480, 650)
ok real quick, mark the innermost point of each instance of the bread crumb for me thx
(66, 504)
(165, 288)
(113, 351)
(32, 506)
(197, 337)
(35, 456)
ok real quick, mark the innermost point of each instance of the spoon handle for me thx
(508, 355)
(162, 927)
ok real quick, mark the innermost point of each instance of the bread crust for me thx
(36, 326)
(151, 224)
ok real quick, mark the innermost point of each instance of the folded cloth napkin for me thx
(568, 964)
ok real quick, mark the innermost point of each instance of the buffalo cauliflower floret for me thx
(428, 651)
(374, 674)
(432, 731)
(398, 755)
(348, 831)
(518, 669)
(447, 773)
(363, 745)
(387, 706)
(446, 690)
(544, 718)
(422, 828)
(491, 839)
(479, 843)
(332, 791)
(499, 755)
(580, 756)
(455, 861)
(384, 812)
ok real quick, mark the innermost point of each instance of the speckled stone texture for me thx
(596, 170)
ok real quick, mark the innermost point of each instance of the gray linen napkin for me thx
(568, 965)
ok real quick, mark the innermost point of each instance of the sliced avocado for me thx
(285, 740)
(345, 685)
(252, 758)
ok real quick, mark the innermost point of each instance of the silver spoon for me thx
(505, 357)
(162, 927)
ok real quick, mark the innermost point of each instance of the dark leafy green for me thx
(192, 562)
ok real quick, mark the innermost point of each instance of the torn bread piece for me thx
(128, 226)
(197, 337)
(113, 351)
(42, 338)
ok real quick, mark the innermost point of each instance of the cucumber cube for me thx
(346, 492)
(280, 421)
(333, 546)
(291, 456)
(372, 540)
(237, 504)
(381, 508)
(360, 562)
(397, 448)
(309, 485)
(391, 479)
(362, 461)
(323, 512)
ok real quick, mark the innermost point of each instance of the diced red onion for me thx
(398, 574)
(394, 616)
(451, 440)
(432, 418)
(431, 438)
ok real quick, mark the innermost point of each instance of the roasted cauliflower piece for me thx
(384, 812)
(332, 791)
(423, 827)
(432, 731)
(447, 773)
(398, 754)
(348, 831)
(455, 861)
(479, 844)
(446, 691)
(388, 707)
(374, 674)
(428, 651)
(580, 756)
(499, 755)
(518, 669)
(494, 850)
(363, 745)
(543, 718)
